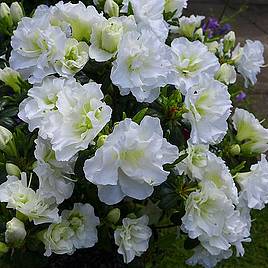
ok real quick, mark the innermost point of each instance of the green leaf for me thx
(140, 115)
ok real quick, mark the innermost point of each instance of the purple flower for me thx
(213, 28)
(241, 96)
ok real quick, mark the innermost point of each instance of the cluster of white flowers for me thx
(51, 47)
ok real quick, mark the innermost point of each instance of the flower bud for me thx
(229, 41)
(114, 215)
(212, 46)
(111, 8)
(12, 170)
(101, 140)
(6, 22)
(11, 78)
(189, 25)
(5, 137)
(199, 34)
(235, 149)
(16, 12)
(226, 74)
(15, 232)
(3, 248)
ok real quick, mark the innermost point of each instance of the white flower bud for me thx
(226, 74)
(15, 232)
(5, 17)
(229, 41)
(111, 8)
(11, 78)
(16, 12)
(199, 34)
(212, 46)
(188, 25)
(5, 137)
(12, 170)
(114, 215)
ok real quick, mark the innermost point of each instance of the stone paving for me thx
(250, 24)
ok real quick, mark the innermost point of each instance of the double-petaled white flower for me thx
(211, 217)
(75, 19)
(81, 116)
(19, 196)
(250, 133)
(254, 185)
(76, 230)
(36, 46)
(209, 105)
(106, 36)
(130, 163)
(188, 60)
(132, 237)
(141, 66)
(54, 176)
(250, 61)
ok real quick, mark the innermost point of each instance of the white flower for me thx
(25, 200)
(15, 232)
(36, 46)
(250, 133)
(37, 109)
(209, 104)
(130, 161)
(81, 116)
(254, 184)
(106, 36)
(54, 176)
(74, 58)
(211, 217)
(196, 159)
(141, 66)
(175, 5)
(189, 24)
(203, 257)
(226, 74)
(188, 60)
(83, 222)
(76, 230)
(133, 237)
(251, 61)
(76, 16)
(57, 239)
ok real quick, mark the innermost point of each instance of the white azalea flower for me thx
(175, 5)
(196, 159)
(36, 46)
(75, 57)
(19, 196)
(81, 116)
(211, 217)
(250, 133)
(189, 24)
(149, 14)
(54, 176)
(130, 161)
(57, 239)
(76, 230)
(133, 237)
(77, 17)
(83, 222)
(251, 61)
(188, 60)
(254, 184)
(203, 257)
(141, 66)
(38, 108)
(209, 104)
(106, 36)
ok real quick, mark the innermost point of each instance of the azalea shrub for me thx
(120, 129)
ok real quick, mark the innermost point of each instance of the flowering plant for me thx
(118, 120)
